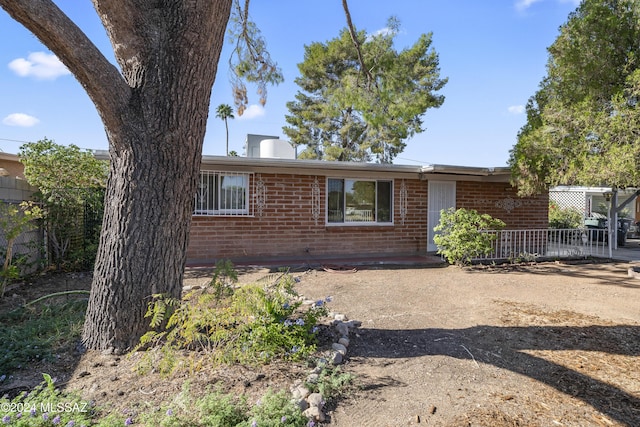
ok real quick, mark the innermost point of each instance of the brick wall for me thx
(285, 226)
(500, 200)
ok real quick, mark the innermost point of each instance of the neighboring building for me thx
(590, 200)
(257, 208)
(10, 165)
(13, 186)
(15, 189)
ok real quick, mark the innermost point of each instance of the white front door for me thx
(442, 195)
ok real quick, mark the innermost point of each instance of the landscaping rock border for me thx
(312, 404)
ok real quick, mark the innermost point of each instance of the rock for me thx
(315, 399)
(312, 378)
(336, 358)
(302, 404)
(339, 348)
(340, 317)
(314, 413)
(344, 341)
(300, 392)
(354, 324)
(342, 329)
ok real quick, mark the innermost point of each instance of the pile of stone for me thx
(312, 404)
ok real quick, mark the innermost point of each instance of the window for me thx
(222, 193)
(359, 201)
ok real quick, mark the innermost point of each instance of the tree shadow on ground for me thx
(506, 348)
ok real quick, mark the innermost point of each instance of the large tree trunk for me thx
(155, 160)
(155, 111)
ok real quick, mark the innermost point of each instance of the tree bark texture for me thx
(155, 111)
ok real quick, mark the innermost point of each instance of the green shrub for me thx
(564, 217)
(461, 234)
(275, 410)
(251, 324)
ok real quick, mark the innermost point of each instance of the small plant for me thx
(46, 406)
(214, 409)
(462, 234)
(331, 383)
(561, 218)
(39, 330)
(15, 220)
(224, 278)
(249, 324)
(275, 410)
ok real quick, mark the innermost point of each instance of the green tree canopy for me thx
(582, 123)
(51, 167)
(346, 112)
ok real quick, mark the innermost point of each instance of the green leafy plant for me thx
(275, 409)
(70, 182)
(46, 405)
(560, 217)
(217, 409)
(254, 323)
(15, 220)
(462, 234)
(331, 383)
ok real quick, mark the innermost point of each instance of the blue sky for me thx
(493, 52)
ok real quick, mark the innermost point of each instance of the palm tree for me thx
(224, 112)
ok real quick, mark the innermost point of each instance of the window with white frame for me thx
(359, 201)
(222, 193)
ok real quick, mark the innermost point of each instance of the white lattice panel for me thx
(570, 199)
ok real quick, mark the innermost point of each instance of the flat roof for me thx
(313, 166)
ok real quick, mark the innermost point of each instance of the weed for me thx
(275, 410)
(46, 406)
(37, 332)
(331, 383)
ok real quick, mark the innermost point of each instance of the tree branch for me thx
(101, 80)
(356, 44)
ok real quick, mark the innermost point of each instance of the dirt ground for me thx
(548, 344)
(539, 345)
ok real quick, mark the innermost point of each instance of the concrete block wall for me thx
(15, 189)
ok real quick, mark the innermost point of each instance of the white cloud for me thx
(252, 112)
(41, 65)
(525, 4)
(516, 109)
(20, 119)
(382, 32)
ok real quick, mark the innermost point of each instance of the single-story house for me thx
(260, 208)
(268, 208)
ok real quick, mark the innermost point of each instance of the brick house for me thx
(266, 208)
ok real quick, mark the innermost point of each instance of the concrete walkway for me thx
(629, 252)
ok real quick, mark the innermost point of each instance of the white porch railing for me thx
(547, 243)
